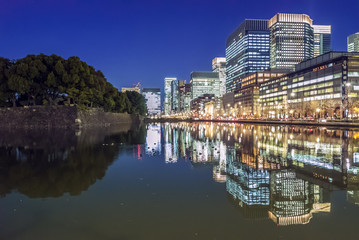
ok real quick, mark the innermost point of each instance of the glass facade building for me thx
(205, 83)
(153, 100)
(247, 51)
(322, 39)
(175, 97)
(168, 95)
(246, 98)
(325, 86)
(184, 95)
(291, 40)
(219, 65)
(187, 98)
(353, 43)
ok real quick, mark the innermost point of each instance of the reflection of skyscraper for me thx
(219, 171)
(294, 200)
(249, 185)
(153, 139)
(205, 151)
(269, 173)
(170, 145)
(291, 199)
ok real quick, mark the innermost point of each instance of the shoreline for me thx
(264, 122)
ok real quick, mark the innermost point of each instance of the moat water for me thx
(180, 181)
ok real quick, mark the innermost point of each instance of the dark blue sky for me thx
(132, 41)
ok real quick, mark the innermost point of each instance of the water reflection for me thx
(188, 174)
(284, 174)
(44, 164)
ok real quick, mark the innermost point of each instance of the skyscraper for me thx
(353, 43)
(181, 95)
(291, 40)
(174, 93)
(322, 39)
(187, 98)
(219, 65)
(205, 83)
(153, 100)
(168, 95)
(247, 51)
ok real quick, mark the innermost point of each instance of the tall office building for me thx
(205, 83)
(291, 40)
(219, 65)
(187, 98)
(322, 39)
(168, 95)
(174, 93)
(181, 94)
(153, 100)
(353, 43)
(247, 51)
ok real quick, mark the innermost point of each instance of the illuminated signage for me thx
(320, 68)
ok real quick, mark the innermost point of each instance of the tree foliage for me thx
(53, 80)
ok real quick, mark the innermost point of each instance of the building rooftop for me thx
(204, 75)
(323, 58)
(248, 25)
(290, 18)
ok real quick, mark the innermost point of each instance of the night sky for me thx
(132, 41)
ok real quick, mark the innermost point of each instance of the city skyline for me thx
(113, 41)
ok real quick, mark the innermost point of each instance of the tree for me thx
(5, 65)
(122, 103)
(52, 80)
(138, 103)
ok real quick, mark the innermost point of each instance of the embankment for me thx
(63, 117)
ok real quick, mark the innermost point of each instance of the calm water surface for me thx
(180, 181)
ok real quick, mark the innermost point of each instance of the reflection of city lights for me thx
(153, 139)
(245, 163)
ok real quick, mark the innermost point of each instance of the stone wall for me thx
(97, 117)
(62, 117)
